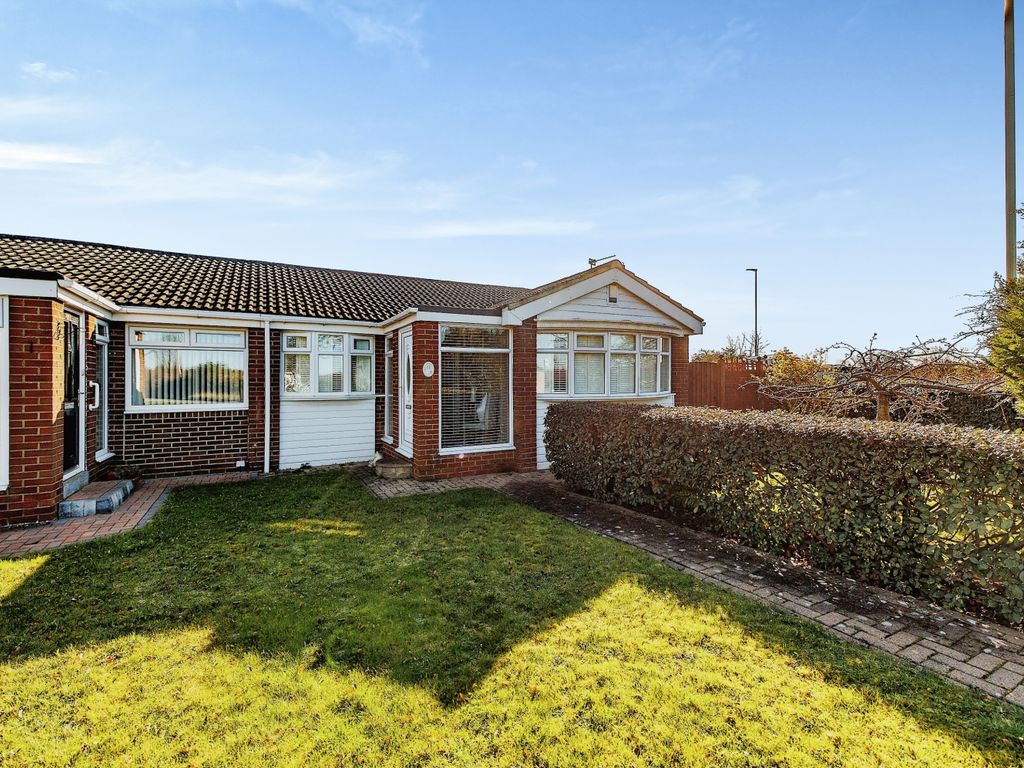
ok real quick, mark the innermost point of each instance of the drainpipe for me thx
(266, 397)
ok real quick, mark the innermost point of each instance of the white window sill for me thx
(313, 398)
(388, 439)
(186, 408)
(403, 451)
(627, 396)
(477, 449)
(104, 455)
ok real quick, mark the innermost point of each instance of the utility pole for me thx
(1010, 137)
(757, 336)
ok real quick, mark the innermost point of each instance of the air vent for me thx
(613, 294)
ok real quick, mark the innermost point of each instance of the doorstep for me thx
(102, 497)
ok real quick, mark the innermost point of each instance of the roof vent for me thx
(613, 294)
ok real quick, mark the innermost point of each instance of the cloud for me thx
(21, 156)
(499, 228)
(391, 25)
(40, 70)
(19, 109)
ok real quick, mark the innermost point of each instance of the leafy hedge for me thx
(927, 510)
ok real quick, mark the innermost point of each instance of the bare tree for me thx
(914, 380)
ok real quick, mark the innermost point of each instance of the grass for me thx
(298, 621)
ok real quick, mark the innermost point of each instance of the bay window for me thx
(590, 364)
(327, 365)
(475, 387)
(187, 369)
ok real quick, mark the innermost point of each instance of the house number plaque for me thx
(428, 369)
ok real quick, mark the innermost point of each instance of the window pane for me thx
(187, 376)
(623, 341)
(588, 373)
(476, 336)
(159, 337)
(649, 343)
(362, 373)
(474, 399)
(552, 372)
(623, 374)
(362, 345)
(102, 331)
(296, 374)
(330, 370)
(101, 395)
(330, 342)
(552, 341)
(648, 373)
(217, 339)
(590, 340)
(666, 373)
(296, 341)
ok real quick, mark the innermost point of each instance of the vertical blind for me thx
(187, 376)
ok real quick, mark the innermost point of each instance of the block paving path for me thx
(969, 651)
(134, 512)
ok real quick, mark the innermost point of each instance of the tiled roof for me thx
(146, 278)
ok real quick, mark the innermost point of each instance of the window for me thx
(362, 365)
(389, 397)
(181, 369)
(329, 365)
(475, 387)
(603, 364)
(100, 385)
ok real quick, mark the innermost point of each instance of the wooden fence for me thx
(721, 384)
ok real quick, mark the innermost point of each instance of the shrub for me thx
(926, 510)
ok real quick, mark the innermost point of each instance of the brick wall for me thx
(680, 369)
(95, 468)
(36, 412)
(195, 442)
(427, 461)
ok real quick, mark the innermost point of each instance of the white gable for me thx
(594, 307)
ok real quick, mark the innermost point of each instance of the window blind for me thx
(474, 399)
(188, 376)
(588, 373)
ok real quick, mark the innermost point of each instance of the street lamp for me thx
(757, 336)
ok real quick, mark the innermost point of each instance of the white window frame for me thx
(101, 337)
(5, 394)
(509, 444)
(189, 333)
(663, 352)
(312, 349)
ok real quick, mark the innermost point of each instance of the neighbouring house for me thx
(183, 364)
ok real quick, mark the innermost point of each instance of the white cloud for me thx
(19, 109)
(40, 70)
(21, 156)
(500, 228)
(391, 25)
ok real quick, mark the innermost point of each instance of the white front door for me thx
(405, 391)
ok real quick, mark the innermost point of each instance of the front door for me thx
(72, 392)
(405, 391)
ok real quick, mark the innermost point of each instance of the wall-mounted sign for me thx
(428, 369)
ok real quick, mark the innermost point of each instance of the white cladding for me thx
(320, 432)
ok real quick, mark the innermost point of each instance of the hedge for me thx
(926, 510)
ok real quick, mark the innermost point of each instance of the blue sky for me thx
(850, 150)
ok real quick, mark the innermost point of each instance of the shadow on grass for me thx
(430, 591)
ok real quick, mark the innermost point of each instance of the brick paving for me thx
(135, 512)
(968, 651)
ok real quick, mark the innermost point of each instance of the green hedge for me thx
(927, 510)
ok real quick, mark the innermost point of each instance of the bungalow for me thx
(182, 364)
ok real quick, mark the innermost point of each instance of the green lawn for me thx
(298, 621)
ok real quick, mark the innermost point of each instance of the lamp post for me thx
(1010, 139)
(757, 336)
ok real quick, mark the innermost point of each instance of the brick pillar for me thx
(36, 411)
(257, 405)
(524, 395)
(425, 402)
(681, 369)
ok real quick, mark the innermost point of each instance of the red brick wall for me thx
(195, 442)
(680, 369)
(427, 462)
(91, 351)
(36, 423)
